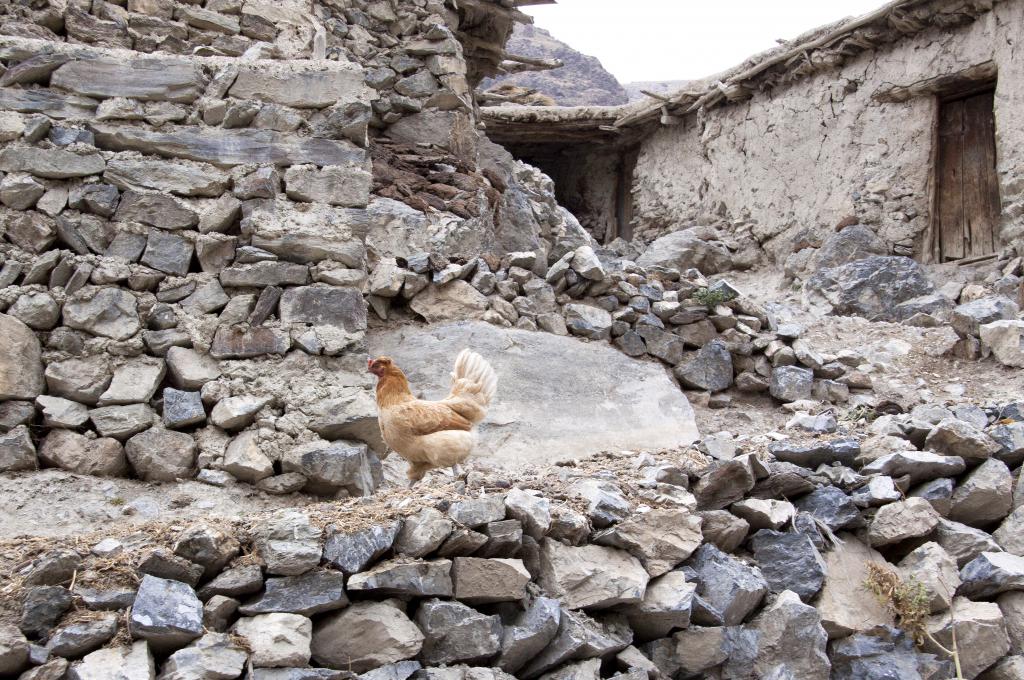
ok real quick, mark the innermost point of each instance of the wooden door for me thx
(968, 188)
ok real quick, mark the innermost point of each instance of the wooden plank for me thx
(950, 181)
(981, 185)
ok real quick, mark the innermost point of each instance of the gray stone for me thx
(347, 186)
(182, 179)
(920, 466)
(1009, 535)
(871, 287)
(243, 580)
(208, 297)
(455, 632)
(36, 310)
(405, 579)
(81, 380)
(985, 496)
(723, 484)
(665, 608)
(831, 506)
(353, 552)
(476, 512)
(423, 533)
(581, 637)
(605, 502)
(1005, 339)
(791, 383)
(75, 453)
(233, 413)
(846, 605)
(789, 561)
(239, 343)
(134, 382)
(155, 210)
(991, 573)
(685, 249)
(968, 318)
(121, 422)
(1010, 438)
(41, 608)
(77, 639)
(162, 563)
(214, 656)
(20, 192)
(527, 633)
(130, 663)
(207, 546)
(485, 581)
(224, 147)
(324, 306)
(504, 539)
(58, 412)
(895, 523)
(531, 509)
(727, 590)
(143, 78)
(17, 452)
(160, 455)
(936, 571)
(953, 437)
(182, 409)
(311, 593)
(50, 163)
(591, 576)
(710, 368)
(365, 636)
(288, 544)
(107, 312)
(167, 614)
(587, 321)
(332, 466)
(661, 539)
(21, 368)
(979, 628)
(189, 369)
(168, 253)
(276, 640)
(245, 460)
(656, 411)
(723, 529)
(842, 451)
(962, 542)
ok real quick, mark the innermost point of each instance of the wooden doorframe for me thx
(931, 250)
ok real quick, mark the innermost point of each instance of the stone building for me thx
(907, 120)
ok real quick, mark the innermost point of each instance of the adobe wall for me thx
(825, 148)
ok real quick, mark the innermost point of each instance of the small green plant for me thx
(712, 298)
(910, 603)
(117, 501)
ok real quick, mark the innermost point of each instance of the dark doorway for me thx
(967, 198)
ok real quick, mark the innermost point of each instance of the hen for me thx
(433, 434)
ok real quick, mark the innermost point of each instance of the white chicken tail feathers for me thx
(473, 375)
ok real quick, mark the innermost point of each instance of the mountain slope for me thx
(582, 81)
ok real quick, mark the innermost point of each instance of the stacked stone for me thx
(751, 566)
(181, 227)
(712, 337)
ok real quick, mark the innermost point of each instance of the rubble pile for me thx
(736, 565)
(713, 337)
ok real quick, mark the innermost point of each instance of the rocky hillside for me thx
(582, 81)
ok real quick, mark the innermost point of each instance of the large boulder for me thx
(871, 287)
(21, 367)
(591, 576)
(365, 636)
(628, 403)
(686, 249)
(1005, 339)
(848, 245)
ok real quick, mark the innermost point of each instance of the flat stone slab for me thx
(557, 399)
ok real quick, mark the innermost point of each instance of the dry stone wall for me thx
(186, 195)
(798, 160)
(750, 562)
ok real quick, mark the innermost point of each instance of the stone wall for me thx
(186, 196)
(751, 562)
(804, 157)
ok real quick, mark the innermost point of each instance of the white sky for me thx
(684, 39)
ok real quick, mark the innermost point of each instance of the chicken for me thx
(433, 434)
